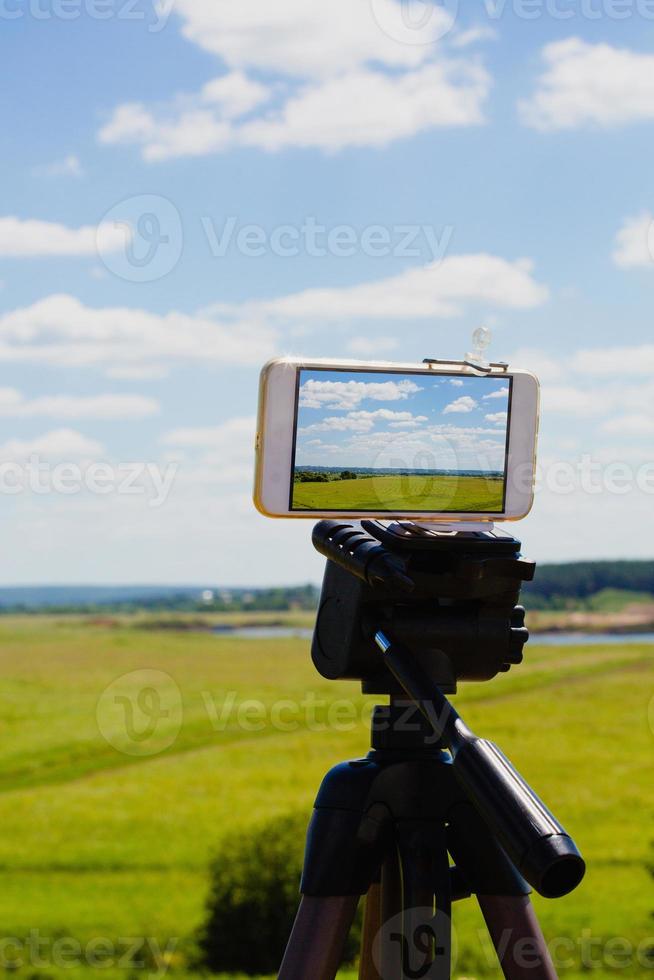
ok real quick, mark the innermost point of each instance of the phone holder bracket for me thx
(475, 359)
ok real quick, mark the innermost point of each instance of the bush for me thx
(253, 898)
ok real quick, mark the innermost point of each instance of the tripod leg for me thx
(517, 937)
(413, 941)
(315, 948)
(372, 921)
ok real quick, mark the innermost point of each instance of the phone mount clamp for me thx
(409, 612)
(476, 358)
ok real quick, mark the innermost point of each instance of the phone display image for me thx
(390, 441)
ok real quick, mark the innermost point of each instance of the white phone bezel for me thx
(275, 438)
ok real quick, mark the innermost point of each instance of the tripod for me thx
(387, 825)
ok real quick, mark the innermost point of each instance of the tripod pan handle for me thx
(531, 836)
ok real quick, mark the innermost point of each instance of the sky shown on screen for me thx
(188, 188)
(393, 421)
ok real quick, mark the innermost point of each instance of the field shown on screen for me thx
(400, 442)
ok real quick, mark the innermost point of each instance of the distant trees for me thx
(311, 476)
(323, 476)
(555, 586)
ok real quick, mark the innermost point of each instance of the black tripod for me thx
(386, 826)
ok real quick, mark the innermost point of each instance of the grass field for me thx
(402, 493)
(97, 843)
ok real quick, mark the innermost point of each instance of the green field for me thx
(97, 843)
(402, 493)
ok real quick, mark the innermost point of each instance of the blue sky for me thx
(191, 186)
(396, 421)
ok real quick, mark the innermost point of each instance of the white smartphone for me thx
(395, 441)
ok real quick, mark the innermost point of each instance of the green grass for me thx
(616, 600)
(96, 843)
(402, 493)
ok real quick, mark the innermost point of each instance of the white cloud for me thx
(296, 38)
(365, 107)
(604, 361)
(592, 84)
(14, 405)
(69, 166)
(220, 454)
(61, 331)
(498, 393)
(461, 405)
(387, 415)
(369, 108)
(540, 363)
(336, 75)
(236, 432)
(372, 346)
(614, 397)
(363, 421)
(138, 372)
(191, 125)
(570, 400)
(234, 94)
(22, 238)
(438, 446)
(630, 425)
(497, 418)
(456, 383)
(348, 394)
(441, 288)
(632, 242)
(57, 444)
(473, 35)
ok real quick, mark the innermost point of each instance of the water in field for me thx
(605, 639)
(544, 639)
(265, 632)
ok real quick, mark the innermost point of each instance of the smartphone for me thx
(395, 441)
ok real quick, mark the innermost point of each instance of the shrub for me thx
(253, 898)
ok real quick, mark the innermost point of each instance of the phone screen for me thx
(393, 441)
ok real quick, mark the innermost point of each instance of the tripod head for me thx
(449, 596)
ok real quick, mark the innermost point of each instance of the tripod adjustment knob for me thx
(518, 635)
